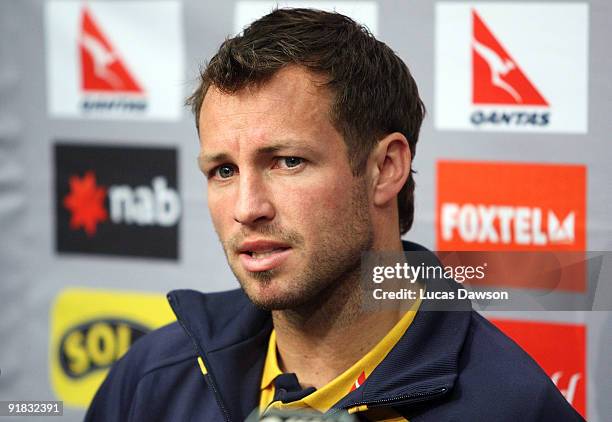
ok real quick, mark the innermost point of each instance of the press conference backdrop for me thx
(103, 209)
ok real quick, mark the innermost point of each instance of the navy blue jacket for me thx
(449, 366)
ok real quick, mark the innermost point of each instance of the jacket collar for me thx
(231, 336)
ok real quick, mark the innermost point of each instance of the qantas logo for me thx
(102, 69)
(505, 225)
(104, 73)
(493, 74)
(496, 76)
(142, 205)
(497, 79)
(114, 59)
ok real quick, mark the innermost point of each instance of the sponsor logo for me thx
(103, 71)
(114, 200)
(560, 349)
(505, 225)
(359, 381)
(496, 206)
(496, 76)
(100, 67)
(92, 329)
(501, 79)
(511, 206)
(96, 345)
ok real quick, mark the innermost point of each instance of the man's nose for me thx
(253, 204)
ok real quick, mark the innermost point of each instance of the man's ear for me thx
(390, 166)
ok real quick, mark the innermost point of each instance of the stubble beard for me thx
(333, 266)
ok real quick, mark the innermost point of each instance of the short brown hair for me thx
(374, 92)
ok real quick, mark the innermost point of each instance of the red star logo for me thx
(86, 203)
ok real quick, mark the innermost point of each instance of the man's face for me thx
(290, 215)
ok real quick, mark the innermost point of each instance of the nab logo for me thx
(86, 203)
(115, 200)
(560, 349)
(142, 205)
(492, 74)
(114, 60)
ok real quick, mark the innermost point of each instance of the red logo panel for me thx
(510, 206)
(496, 76)
(495, 206)
(102, 69)
(560, 349)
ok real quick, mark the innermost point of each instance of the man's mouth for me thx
(262, 255)
(266, 253)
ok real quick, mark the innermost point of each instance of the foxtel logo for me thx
(510, 206)
(505, 225)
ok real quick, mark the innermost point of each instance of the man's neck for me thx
(324, 338)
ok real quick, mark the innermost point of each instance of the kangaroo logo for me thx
(497, 77)
(102, 69)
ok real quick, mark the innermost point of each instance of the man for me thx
(308, 127)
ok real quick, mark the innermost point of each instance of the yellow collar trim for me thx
(324, 398)
(271, 368)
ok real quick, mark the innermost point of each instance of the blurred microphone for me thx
(275, 415)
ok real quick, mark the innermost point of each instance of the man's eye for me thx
(290, 162)
(224, 171)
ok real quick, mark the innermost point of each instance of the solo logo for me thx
(98, 66)
(112, 200)
(501, 79)
(90, 330)
(560, 349)
(499, 206)
(96, 345)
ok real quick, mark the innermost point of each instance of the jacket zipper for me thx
(413, 398)
(209, 379)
